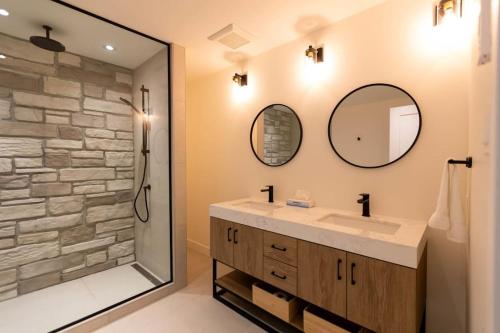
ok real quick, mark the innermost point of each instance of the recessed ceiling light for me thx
(109, 47)
(2, 56)
(4, 12)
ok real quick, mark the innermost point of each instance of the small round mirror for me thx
(276, 135)
(374, 125)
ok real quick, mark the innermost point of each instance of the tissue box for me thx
(300, 203)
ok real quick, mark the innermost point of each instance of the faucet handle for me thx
(364, 195)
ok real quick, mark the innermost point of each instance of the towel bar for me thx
(467, 162)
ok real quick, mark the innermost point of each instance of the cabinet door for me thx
(221, 240)
(322, 276)
(248, 249)
(381, 296)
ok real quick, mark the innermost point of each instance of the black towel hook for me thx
(467, 162)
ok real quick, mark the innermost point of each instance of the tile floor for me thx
(55, 306)
(191, 309)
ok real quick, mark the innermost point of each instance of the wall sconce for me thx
(446, 9)
(240, 79)
(315, 55)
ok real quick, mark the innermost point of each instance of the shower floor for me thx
(47, 309)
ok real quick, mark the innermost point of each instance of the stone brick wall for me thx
(278, 135)
(66, 167)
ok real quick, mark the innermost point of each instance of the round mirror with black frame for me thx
(374, 125)
(276, 135)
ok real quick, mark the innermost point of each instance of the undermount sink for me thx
(258, 205)
(362, 223)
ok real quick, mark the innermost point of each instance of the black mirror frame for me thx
(300, 138)
(352, 92)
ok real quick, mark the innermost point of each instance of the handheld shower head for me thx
(130, 104)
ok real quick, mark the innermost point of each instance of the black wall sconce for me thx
(240, 79)
(315, 54)
(446, 8)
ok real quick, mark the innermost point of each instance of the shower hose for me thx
(145, 189)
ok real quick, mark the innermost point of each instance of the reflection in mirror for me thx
(374, 125)
(276, 135)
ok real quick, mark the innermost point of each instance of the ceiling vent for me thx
(231, 36)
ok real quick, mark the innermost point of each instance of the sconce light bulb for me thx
(447, 10)
(448, 6)
(314, 55)
(311, 52)
(240, 79)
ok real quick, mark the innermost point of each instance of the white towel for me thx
(449, 214)
(441, 217)
(457, 231)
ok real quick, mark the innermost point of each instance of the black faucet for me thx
(365, 200)
(270, 189)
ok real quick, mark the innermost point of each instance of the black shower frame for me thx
(169, 79)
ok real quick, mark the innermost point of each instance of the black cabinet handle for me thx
(353, 282)
(229, 234)
(235, 239)
(339, 262)
(283, 277)
(277, 247)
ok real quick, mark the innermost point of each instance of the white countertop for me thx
(404, 247)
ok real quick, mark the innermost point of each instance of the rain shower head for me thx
(46, 42)
(130, 104)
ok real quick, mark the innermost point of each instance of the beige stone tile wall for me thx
(66, 167)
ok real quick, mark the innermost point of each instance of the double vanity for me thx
(339, 268)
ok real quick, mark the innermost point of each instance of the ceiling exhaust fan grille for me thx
(231, 36)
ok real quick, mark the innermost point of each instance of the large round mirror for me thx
(374, 125)
(276, 135)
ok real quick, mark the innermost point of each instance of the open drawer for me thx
(279, 303)
(317, 320)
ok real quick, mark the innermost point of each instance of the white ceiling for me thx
(190, 22)
(81, 34)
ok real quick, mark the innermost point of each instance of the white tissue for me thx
(302, 195)
(301, 198)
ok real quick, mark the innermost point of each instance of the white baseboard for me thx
(198, 247)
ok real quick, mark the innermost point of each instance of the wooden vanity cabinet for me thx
(221, 240)
(322, 276)
(375, 294)
(237, 245)
(385, 297)
(248, 255)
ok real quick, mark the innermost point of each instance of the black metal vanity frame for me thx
(218, 293)
(352, 92)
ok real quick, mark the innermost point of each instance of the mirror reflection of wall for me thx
(276, 135)
(374, 126)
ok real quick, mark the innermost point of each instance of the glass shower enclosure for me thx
(85, 165)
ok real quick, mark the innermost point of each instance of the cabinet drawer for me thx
(281, 248)
(275, 301)
(317, 320)
(280, 275)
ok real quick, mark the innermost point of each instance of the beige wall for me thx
(178, 63)
(393, 43)
(482, 242)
